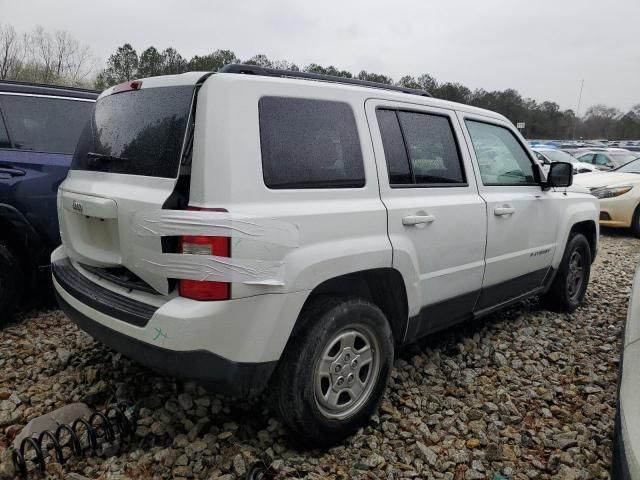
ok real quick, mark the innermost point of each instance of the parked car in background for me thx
(626, 436)
(257, 228)
(550, 155)
(39, 129)
(619, 194)
(606, 159)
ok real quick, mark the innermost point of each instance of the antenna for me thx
(575, 122)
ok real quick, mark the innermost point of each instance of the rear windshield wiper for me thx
(101, 156)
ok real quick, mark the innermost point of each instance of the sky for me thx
(542, 48)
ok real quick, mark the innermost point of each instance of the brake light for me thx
(127, 86)
(204, 245)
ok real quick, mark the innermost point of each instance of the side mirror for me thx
(560, 175)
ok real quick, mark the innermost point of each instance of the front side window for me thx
(420, 149)
(43, 124)
(501, 158)
(309, 144)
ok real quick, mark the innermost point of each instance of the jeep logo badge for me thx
(77, 206)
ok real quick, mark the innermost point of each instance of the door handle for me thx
(11, 172)
(410, 220)
(502, 211)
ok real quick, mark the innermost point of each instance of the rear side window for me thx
(420, 149)
(139, 132)
(309, 144)
(42, 124)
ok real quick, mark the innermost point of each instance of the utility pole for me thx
(575, 122)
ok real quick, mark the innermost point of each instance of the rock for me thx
(473, 443)
(472, 474)
(185, 401)
(63, 355)
(375, 460)
(426, 453)
(239, 466)
(499, 359)
(7, 470)
(493, 453)
(49, 421)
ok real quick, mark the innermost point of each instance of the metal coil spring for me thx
(100, 427)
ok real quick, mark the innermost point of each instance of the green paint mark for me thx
(160, 333)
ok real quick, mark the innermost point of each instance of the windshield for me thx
(558, 156)
(620, 158)
(631, 167)
(138, 133)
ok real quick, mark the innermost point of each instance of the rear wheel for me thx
(333, 373)
(11, 282)
(570, 285)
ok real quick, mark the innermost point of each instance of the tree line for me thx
(58, 58)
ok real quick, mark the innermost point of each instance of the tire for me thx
(306, 392)
(570, 284)
(11, 282)
(635, 222)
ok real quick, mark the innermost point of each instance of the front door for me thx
(522, 227)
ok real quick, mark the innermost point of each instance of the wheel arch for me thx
(384, 287)
(590, 231)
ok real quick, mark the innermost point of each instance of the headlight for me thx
(610, 192)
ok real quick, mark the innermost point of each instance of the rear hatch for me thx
(130, 159)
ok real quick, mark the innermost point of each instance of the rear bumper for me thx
(217, 373)
(232, 346)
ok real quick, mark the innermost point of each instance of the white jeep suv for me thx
(255, 228)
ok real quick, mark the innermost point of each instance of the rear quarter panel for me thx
(340, 230)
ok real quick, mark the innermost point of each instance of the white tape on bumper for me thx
(159, 223)
(210, 267)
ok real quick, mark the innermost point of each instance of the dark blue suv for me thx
(39, 129)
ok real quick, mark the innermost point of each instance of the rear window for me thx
(137, 133)
(309, 144)
(42, 124)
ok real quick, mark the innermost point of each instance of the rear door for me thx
(35, 153)
(522, 224)
(127, 161)
(436, 219)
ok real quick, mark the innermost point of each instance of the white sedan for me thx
(550, 155)
(619, 194)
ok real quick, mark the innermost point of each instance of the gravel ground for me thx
(525, 393)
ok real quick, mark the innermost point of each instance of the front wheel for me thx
(333, 373)
(570, 285)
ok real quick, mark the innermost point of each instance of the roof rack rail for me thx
(48, 85)
(274, 72)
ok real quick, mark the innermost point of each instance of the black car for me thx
(39, 129)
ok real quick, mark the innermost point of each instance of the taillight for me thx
(127, 86)
(204, 245)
